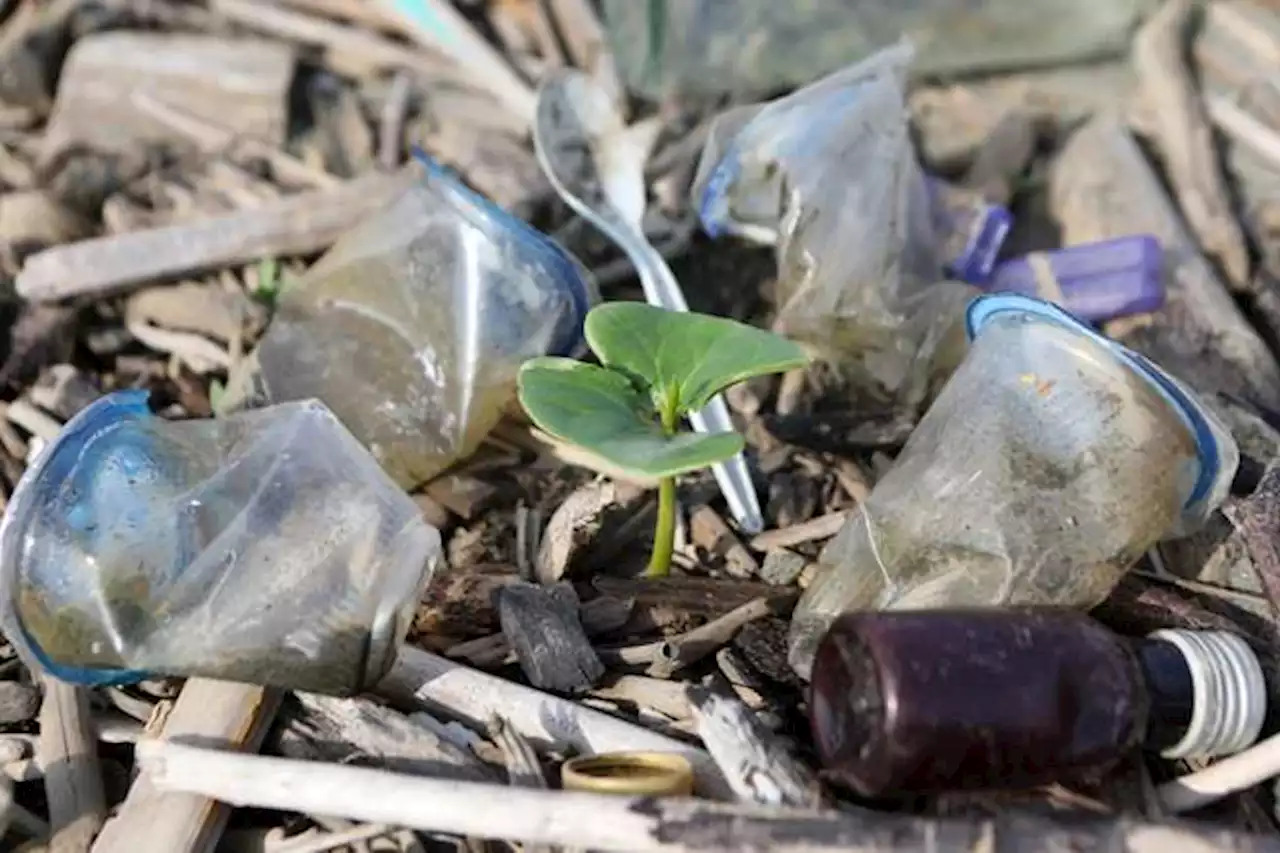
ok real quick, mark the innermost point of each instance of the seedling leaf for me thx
(604, 413)
(695, 355)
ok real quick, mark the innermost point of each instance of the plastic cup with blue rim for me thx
(267, 547)
(1050, 462)
(1094, 281)
(412, 328)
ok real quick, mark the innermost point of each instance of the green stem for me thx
(664, 534)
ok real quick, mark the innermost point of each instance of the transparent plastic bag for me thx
(413, 326)
(828, 176)
(709, 47)
(267, 547)
(1051, 461)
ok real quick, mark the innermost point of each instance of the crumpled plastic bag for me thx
(267, 547)
(828, 176)
(412, 328)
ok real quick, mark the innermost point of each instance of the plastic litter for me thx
(828, 176)
(267, 547)
(413, 326)
(708, 47)
(1095, 281)
(913, 702)
(969, 231)
(1049, 463)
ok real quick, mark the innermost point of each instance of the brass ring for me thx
(660, 774)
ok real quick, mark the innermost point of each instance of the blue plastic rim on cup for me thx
(267, 547)
(485, 215)
(984, 309)
(51, 472)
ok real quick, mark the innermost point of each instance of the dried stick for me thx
(757, 765)
(297, 225)
(72, 774)
(442, 686)
(358, 730)
(672, 825)
(1185, 137)
(351, 48)
(1101, 187)
(523, 768)
(822, 527)
(666, 657)
(210, 138)
(153, 820)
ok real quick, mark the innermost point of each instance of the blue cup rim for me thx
(484, 212)
(53, 465)
(984, 309)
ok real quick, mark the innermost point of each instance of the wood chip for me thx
(218, 713)
(298, 225)
(601, 615)
(462, 495)
(781, 567)
(436, 514)
(1004, 155)
(31, 220)
(573, 527)
(242, 84)
(542, 628)
(710, 533)
(360, 731)
(18, 703)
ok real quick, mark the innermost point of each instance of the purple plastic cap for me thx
(1094, 281)
(970, 230)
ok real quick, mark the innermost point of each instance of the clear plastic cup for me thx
(1048, 464)
(267, 547)
(413, 326)
(863, 238)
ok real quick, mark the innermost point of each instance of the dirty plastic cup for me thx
(412, 328)
(1049, 463)
(828, 176)
(267, 547)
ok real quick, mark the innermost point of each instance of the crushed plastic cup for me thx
(267, 547)
(1094, 281)
(412, 328)
(828, 176)
(1049, 463)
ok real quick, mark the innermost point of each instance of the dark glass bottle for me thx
(917, 701)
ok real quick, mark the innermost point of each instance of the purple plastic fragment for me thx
(1094, 281)
(971, 231)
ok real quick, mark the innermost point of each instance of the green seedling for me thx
(656, 367)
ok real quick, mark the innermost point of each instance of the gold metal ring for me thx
(663, 774)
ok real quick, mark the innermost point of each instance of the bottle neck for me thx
(1167, 677)
(1208, 696)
